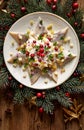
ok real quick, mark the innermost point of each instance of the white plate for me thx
(21, 26)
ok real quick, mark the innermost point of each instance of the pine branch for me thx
(14, 7)
(59, 96)
(59, 10)
(63, 100)
(18, 98)
(3, 77)
(48, 106)
(27, 92)
(67, 6)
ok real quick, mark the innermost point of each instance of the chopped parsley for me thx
(27, 35)
(30, 59)
(23, 50)
(41, 22)
(25, 65)
(30, 75)
(55, 43)
(70, 55)
(60, 55)
(37, 47)
(15, 60)
(40, 37)
(45, 70)
(50, 57)
(62, 38)
(46, 48)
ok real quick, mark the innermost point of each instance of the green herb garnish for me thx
(30, 75)
(50, 57)
(37, 47)
(15, 61)
(60, 55)
(55, 43)
(23, 50)
(62, 38)
(30, 59)
(40, 37)
(70, 55)
(25, 65)
(41, 22)
(46, 48)
(26, 35)
(45, 70)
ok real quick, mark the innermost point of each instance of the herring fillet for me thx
(17, 56)
(59, 34)
(35, 75)
(39, 28)
(52, 75)
(19, 38)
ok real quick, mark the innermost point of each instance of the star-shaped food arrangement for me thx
(41, 52)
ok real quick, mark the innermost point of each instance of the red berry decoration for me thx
(27, 53)
(41, 110)
(82, 36)
(10, 78)
(12, 15)
(76, 24)
(69, 15)
(42, 55)
(75, 5)
(23, 9)
(20, 86)
(32, 55)
(49, 2)
(41, 46)
(55, 1)
(39, 95)
(67, 94)
(41, 50)
(73, 11)
(53, 7)
(58, 88)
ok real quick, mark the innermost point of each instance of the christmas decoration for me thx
(49, 2)
(44, 99)
(82, 35)
(75, 5)
(23, 9)
(12, 15)
(53, 7)
(69, 15)
(55, 1)
(67, 94)
(76, 24)
(39, 95)
(73, 11)
(74, 112)
(41, 110)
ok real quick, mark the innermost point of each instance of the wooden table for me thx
(23, 118)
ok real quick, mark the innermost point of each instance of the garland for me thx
(44, 99)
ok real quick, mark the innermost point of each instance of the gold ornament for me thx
(32, 102)
(73, 112)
